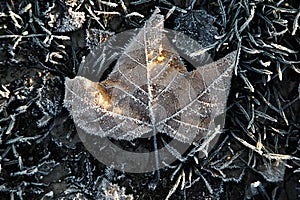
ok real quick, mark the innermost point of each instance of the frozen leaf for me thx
(272, 172)
(150, 91)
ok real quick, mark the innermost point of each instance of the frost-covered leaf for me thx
(272, 172)
(150, 90)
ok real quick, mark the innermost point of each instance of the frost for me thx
(71, 3)
(263, 111)
(150, 91)
(272, 172)
(257, 188)
(72, 21)
(198, 25)
(113, 192)
(94, 37)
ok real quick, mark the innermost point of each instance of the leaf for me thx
(150, 90)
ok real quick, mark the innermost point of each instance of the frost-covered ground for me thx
(42, 43)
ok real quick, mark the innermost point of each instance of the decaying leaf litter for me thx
(263, 109)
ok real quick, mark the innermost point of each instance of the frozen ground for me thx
(41, 155)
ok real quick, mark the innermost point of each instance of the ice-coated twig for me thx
(26, 9)
(89, 9)
(134, 14)
(107, 12)
(61, 37)
(296, 23)
(15, 17)
(108, 3)
(167, 3)
(139, 2)
(173, 189)
(21, 36)
(42, 25)
(247, 82)
(52, 55)
(246, 23)
(222, 9)
(30, 171)
(123, 6)
(11, 124)
(22, 139)
(263, 153)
